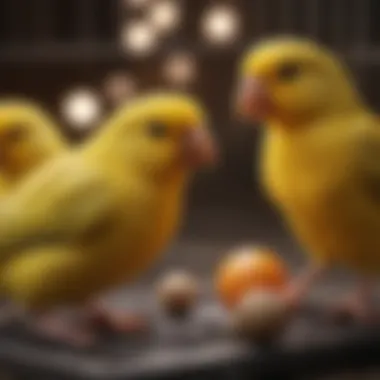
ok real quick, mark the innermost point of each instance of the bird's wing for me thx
(368, 163)
(57, 204)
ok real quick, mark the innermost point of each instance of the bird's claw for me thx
(292, 299)
(59, 331)
(353, 310)
(117, 322)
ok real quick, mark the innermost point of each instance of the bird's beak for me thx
(199, 148)
(253, 102)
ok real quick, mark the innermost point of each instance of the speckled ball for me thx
(178, 293)
(260, 316)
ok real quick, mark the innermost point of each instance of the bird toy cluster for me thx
(248, 284)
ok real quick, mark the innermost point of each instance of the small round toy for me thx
(260, 317)
(178, 292)
(249, 268)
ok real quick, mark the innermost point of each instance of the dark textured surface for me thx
(202, 346)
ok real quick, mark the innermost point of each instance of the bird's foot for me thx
(297, 290)
(85, 332)
(355, 309)
(293, 298)
(61, 331)
(115, 322)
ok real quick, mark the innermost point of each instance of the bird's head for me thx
(162, 133)
(292, 80)
(28, 136)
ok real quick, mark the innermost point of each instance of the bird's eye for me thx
(289, 71)
(158, 130)
(16, 132)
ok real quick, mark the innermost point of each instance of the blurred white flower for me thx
(221, 24)
(138, 38)
(81, 108)
(165, 15)
(180, 68)
(119, 87)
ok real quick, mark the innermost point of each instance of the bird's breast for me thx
(137, 236)
(307, 184)
(295, 175)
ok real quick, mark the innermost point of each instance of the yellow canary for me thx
(100, 215)
(28, 137)
(319, 159)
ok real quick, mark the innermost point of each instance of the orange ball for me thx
(249, 268)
